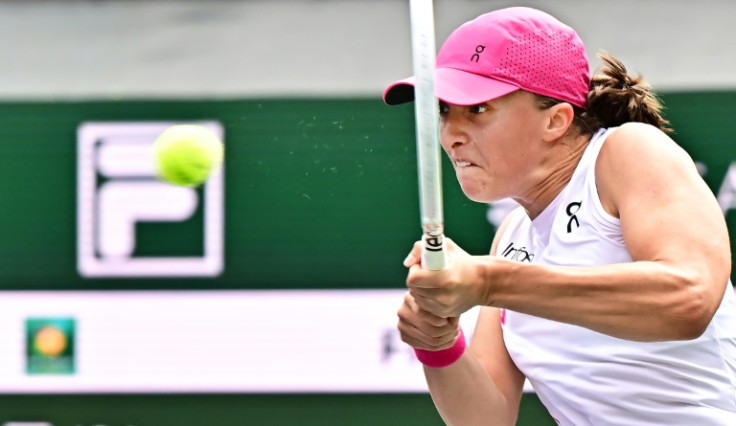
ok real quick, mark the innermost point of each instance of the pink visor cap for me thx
(503, 51)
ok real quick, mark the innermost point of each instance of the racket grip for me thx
(434, 254)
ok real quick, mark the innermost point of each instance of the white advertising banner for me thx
(206, 341)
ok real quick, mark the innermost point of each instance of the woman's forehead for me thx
(518, 97)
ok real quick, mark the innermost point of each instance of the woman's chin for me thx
(474, 193)
(480, 193)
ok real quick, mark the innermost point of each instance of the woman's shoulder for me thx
(635, 135)
(638, 152)
(635, 144)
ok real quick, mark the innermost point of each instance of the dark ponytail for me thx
(615, 98)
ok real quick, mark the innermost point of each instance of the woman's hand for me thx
(423, 330)
(448, 292)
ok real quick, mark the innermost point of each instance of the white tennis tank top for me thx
(587, 378)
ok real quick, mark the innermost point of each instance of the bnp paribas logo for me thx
(50, 345)
(131, 224)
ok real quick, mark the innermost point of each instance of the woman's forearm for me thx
(465, 394)
(645, 301)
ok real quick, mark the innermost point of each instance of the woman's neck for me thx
(553, 174)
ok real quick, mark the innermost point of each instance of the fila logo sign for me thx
(119, 199)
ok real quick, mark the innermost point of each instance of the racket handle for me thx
(434, 254)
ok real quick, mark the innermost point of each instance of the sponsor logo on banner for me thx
(130, 223)
(50, 346)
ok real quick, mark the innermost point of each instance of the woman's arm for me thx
(482, 387)
(672, 227)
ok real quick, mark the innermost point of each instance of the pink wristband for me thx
(444, 357)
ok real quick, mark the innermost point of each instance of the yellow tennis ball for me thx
(186, 154)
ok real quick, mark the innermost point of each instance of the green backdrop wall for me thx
(329, 185)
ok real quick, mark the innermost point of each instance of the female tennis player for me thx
(608, 288)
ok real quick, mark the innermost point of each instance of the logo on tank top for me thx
(518, 254)
(571, 211)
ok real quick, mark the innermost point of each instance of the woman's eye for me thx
(443, 108)
(478, 109)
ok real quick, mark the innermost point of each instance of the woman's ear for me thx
(559, 120)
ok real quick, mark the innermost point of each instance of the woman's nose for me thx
(451, 133)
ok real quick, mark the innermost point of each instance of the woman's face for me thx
(494, 146)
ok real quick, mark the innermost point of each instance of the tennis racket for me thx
(427, 127)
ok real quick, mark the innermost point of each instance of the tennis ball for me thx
(186, 154)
